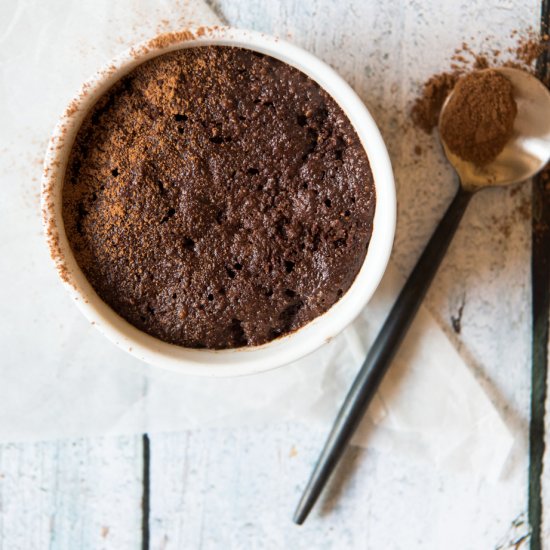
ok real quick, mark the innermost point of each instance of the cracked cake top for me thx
(216, 197)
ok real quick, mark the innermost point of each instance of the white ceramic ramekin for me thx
(244, 360)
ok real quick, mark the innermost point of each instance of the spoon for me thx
(525, 154)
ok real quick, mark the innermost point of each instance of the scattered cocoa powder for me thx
(427, 106)
(166, 39)
(481, 62)
(426, 109)
(479, 118)
(524, 209)
(529, 47)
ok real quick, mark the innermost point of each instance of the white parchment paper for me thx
(60, 378)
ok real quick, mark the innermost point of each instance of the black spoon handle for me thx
(382, 352)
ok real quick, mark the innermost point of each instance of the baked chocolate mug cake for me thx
(218, 198)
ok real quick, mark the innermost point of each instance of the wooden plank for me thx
(539, 490)
(237, 488)
(75, 494)
(539, 484)
(146, 493)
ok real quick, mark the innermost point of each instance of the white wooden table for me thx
(237, 488)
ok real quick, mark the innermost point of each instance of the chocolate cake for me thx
(216, 197)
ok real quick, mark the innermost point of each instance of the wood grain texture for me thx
(540, 277)
(236, 489)
(545, 481)
(75, 494)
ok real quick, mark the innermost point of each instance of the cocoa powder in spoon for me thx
(479, 117)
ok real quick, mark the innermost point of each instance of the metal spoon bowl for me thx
(524, 155)
(527, 151)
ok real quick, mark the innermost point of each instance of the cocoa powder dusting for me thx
(167, 39)
(216, 197)
(426, 109)
(479, 118)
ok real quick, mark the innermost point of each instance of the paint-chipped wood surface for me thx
(71, 494)
(236, 488)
